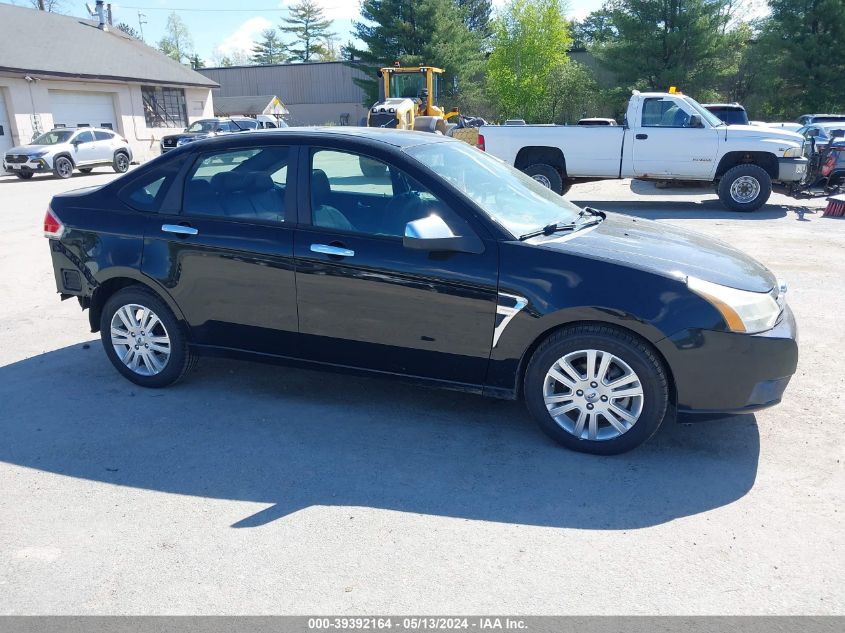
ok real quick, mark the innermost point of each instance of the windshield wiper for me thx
(595, 216)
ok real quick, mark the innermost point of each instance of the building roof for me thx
(247, 105)
(48, 44)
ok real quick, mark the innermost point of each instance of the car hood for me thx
(32, 149)
(188, 134)
(757, 131)
(666, 250)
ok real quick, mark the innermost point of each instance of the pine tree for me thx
(269, 50)
(310, 29)
(129, 30)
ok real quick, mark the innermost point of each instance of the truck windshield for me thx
(406, 85)
(515, 201)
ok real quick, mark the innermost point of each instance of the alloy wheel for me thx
(122, 162)
(64, 167)
(140, 339)
(593, 395)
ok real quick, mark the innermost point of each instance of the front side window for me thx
(244, 184)
(664, 113)
(247, 124)
(350, 192)
(84, 137)
(164, 107)
(202, 127)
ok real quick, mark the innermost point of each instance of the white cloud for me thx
(243, 38)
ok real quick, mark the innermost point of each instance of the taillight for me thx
(828, 164)
(481, 142)
(53, 227)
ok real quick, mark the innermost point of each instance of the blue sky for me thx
(225, 27)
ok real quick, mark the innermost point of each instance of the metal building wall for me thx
(315, 93)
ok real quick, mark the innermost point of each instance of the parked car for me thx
(784, 125)
(668, 137)
(63, 150)
(207, 128)
(729, 113)
(450, 268)
(597, 121)
(808, 119)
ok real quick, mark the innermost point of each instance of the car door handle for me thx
(641, 137)
(327, 249)
(179, 229)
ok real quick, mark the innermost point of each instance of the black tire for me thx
(759, 179)
(372, 168)
(635, 353)
(63, 167)
(23, 175)
(547, 176)
(86, 170)
(121, 162)
(181, 359)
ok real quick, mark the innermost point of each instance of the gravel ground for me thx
(266, 490)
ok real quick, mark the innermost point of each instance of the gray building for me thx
(315, 93)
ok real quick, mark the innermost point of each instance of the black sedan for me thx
(446, 267)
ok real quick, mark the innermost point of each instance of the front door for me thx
(84, 148)
(227, 258)
(665, 144)
(367, 301)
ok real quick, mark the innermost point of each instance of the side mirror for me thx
(433, 234)
(695, 121)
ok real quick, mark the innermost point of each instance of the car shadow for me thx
(292, 439)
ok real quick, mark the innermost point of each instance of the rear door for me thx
(227, 256)
(104, 145)
(367, 301)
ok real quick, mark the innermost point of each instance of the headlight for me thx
(743, 311)
(793, 152)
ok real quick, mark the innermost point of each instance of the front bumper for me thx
(792, 169)
(725, 372)
(34, 165)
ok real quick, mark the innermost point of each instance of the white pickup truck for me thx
(666, 136)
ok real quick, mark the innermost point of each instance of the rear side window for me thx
(243, 184)
(103, 136)
(146, 192)
(247, 124)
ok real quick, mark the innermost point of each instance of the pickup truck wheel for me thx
(547, 176)
(143, 339)
(745, 188)
(596, 389)
(63, 167)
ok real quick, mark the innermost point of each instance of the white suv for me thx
(62, 150)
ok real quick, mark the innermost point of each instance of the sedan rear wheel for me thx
(596, 389)
(143, 339)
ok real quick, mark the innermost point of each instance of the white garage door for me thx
(5, 128)
(82, 109)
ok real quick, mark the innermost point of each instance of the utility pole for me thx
(141, 23)
(41, 5)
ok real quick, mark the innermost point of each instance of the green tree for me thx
(477, 15)
(659, 43)
(129, 30)
(177, 42)
(309, 27)
(799, 58)
(530, 39)
(572, 93)
(196, 62)
(416, 32)
(596, 28)
(269, 49)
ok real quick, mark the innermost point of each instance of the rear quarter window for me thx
(146, 191)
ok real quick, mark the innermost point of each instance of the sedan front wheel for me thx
(596, 389)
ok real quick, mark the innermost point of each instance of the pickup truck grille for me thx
(16, 158)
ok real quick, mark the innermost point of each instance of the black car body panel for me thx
(258, 288)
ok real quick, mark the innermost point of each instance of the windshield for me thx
(706, 115)
(202, 126)
(408, 85)
(53, 138)
(731, 116)
(517, 202)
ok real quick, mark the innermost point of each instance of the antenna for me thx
(90, 9)
(141, 23)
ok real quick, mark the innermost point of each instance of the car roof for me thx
(730, 106)
(397, 138)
